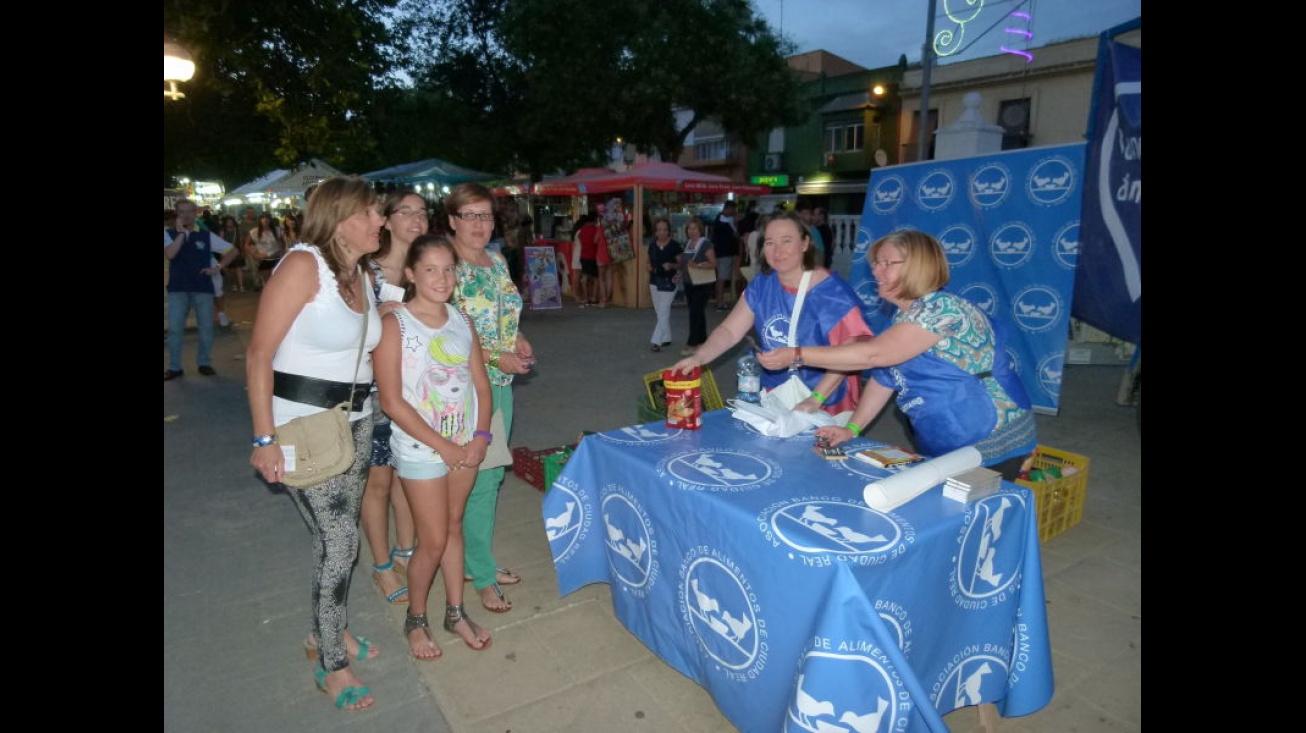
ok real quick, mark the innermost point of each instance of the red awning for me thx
(568, 185)
(653, 176)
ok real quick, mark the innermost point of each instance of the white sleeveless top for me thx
(437, 382)
(323, 342)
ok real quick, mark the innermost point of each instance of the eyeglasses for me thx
(408, 213)
(885, 263)
(474, 216)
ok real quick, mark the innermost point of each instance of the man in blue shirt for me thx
(190, 253)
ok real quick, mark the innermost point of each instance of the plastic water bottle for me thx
(749, 373)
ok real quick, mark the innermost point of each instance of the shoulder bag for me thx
(323, 442)
(701, 275)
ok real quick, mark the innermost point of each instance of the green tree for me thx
(283, 82)
(551, 84)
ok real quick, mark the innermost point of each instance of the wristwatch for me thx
(263, 441)
(798, 358)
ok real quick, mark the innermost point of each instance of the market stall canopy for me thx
(260, 184)
(431, 170)
(296, 181)
(568, 185)
(653, 176)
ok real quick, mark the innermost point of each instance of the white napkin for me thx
(768, 420)
(902, 487)
(792, 391)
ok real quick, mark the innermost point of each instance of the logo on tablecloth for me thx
(720, 608)
(820, 531)
(825, 702)
(973, 675)
(566, 522)
(896, 619)
(990, 551)
(719, 470)
(632, 548)
(649, 434)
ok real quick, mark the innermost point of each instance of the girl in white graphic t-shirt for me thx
(433, 384)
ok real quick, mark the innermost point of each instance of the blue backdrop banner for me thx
(1009, 223)
(1109, 283)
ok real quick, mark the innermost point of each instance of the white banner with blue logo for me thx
(1009, 223)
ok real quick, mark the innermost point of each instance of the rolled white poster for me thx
(902, 487)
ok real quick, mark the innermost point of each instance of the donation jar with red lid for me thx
(684, 398)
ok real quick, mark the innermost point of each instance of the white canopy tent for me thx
(282, 187)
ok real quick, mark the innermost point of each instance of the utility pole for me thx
(927, 62)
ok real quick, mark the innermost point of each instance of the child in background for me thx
(433, 385)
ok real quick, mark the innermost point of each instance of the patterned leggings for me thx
(331, 511)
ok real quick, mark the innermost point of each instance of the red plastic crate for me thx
(540, 467)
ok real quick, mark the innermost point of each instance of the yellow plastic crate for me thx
(708, 393)
(1059, 502)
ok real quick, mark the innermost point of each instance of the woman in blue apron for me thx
(941, 356)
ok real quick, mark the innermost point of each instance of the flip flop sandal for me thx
(498, 592)
(503, 576)
(454, 614)
(413, 622)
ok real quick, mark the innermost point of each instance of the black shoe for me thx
(172, 374)
(655, 347)
(207, 370)
(665, 343)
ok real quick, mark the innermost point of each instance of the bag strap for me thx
(798, 308)
(367, 304)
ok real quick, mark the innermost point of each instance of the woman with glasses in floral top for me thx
(488, 295)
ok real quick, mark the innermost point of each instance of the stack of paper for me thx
(976, 483)
(890, 493)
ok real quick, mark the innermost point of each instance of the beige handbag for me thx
(323, 442)
(701, 275)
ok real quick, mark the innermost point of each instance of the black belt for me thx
(318, 392)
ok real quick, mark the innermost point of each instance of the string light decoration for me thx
(1023, 32)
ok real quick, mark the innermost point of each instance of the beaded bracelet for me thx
(819, 397)
(489, 437)
(854, 428)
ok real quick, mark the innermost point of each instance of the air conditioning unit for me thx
(774, 162)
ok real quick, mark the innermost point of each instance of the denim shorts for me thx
(421, 469)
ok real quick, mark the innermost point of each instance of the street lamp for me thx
(177, 66)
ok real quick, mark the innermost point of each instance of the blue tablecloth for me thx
(753, 566)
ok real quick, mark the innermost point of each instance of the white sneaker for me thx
(223, 320)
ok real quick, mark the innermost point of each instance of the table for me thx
(751, 565)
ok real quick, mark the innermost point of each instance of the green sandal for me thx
(349, 696)
(364, 648)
